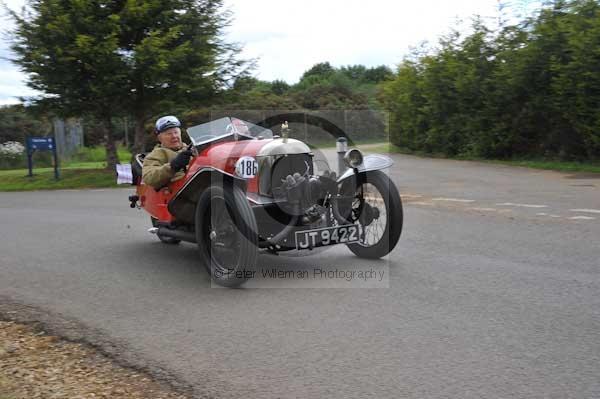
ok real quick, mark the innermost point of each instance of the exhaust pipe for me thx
(178, 234)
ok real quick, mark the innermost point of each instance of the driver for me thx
(168, 159)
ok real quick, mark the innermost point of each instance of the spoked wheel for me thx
(377, 209)
(166, 240)
(226, 233)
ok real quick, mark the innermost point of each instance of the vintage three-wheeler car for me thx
(247, 191)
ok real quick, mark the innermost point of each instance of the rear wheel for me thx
(226, 233)
(166, 240)
(377, 209)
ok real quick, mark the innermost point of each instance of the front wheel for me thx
(226, 233)
(377, 209)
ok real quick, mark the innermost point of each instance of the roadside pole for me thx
(29, 162)
(56, 176)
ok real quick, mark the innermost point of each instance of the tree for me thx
(525, 90)
(115, 58)
(68, 50)
(576, 82)
(279, 87)
(361, 74)
(320, 70)
(17, 122)
(176, 56)
(354, 72)
(378, 74)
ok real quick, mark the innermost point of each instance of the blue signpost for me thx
(41, 144)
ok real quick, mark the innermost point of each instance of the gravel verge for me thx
(36, 365)
(44, 355)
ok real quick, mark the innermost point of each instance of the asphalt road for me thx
(492, 292)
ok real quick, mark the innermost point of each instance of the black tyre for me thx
(166, 240)
(226, 233)
(377, 209)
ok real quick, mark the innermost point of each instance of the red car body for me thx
(222, 156)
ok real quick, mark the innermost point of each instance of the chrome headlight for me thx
(353, 158)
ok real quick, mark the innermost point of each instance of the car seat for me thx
(136, 168)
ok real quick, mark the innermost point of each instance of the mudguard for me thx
(370, 162)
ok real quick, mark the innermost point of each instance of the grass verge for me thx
(561, 166)
(83, 156)
(98, 154)
(332, 143)
(85, 169)
(44, 179)
(34, 364)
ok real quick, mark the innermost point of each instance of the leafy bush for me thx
(529, 90)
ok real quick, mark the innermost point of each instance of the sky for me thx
(287, 37)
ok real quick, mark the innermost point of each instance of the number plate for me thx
(326, 236)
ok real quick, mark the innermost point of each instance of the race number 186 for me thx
(246, 167)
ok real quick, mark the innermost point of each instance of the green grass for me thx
(561, 166)
(85, 169)
(83, 158)
(78, 165)
(332, 143)
(97, 154)
(69, 178)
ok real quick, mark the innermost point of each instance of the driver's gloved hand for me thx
(181, 160)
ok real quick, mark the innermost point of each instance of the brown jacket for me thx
(156, 171)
